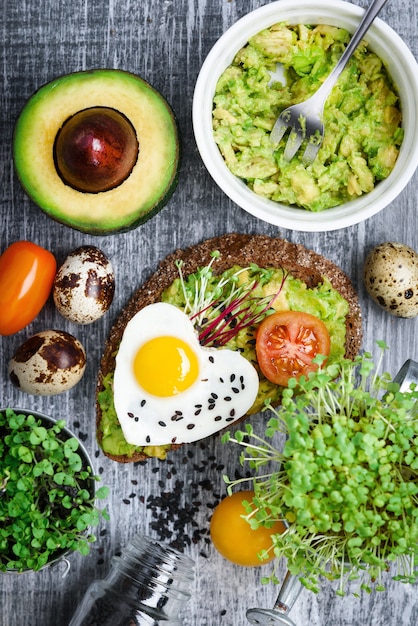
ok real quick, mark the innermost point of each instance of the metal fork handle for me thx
(368, 17)
(279, 615)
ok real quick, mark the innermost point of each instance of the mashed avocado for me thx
(262, 285)
(362, 117)
(113, 442)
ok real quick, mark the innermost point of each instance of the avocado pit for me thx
(95, 149)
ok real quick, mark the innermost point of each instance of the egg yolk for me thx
(233, 536)
(165, 366)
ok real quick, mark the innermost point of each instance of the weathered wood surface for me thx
(166, 42)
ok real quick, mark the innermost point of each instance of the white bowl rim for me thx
(337, 12)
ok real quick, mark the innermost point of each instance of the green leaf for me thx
(70, 446)
(102, 493)
(25, 454)
(37, 435)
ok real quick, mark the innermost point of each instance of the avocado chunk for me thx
(98, 150)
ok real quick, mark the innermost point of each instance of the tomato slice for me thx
(27, 273)
(286, 343)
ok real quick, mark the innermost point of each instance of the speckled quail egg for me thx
(48, 363)
(391, 278)
(84, 285)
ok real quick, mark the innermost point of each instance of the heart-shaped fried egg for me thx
(169, 389)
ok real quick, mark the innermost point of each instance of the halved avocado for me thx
(146, 182)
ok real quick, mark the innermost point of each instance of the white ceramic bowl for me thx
(382, 40)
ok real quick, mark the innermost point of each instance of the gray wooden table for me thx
(166, 42)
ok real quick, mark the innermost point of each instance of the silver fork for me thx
(305, 119)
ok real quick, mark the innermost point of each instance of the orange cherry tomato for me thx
(27, 273)
(233, 536)
(286, 343)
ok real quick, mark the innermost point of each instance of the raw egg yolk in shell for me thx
(233, 536)
(165, 366)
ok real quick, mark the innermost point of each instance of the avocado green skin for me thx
(107, 226)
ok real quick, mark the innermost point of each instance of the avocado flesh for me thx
(153, 178)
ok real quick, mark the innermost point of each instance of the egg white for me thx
(224, 391)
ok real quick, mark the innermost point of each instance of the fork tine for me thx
(293, 144)
(278, 131)
(311, 151)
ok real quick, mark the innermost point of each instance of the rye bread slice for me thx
(235, 249)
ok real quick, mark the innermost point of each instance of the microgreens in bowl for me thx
(345, 480)
(47, 492)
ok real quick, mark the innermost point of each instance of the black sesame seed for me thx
(136, 419)
(198, 412)
(232, 412)
(235, 389)
(162, 424)
(214, 395)
(218, 418)
(227, 398)
(148, 439)
(211, 359)
(232, 378)
(143, 402)
(221, 380)
(190, 426)
(198, 406)
(229, 419)
(130, 414)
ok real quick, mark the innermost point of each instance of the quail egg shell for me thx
(84, 285)
(168, 389)
(391, 278)
(48, 363)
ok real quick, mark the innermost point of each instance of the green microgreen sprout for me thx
(345, 480)
(47, 494)
(220, 309)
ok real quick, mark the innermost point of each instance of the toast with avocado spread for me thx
(313, 284)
